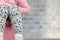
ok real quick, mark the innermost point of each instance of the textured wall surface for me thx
(32, 23)
(43, 20)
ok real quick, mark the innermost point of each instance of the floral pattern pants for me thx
(15, 17)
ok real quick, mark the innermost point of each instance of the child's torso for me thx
(8, 2)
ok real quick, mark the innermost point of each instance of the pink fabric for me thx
(8, 32)
(24, 7)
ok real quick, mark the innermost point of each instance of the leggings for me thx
(15, 17)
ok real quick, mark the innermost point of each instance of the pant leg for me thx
(3, 17)
(16, 19)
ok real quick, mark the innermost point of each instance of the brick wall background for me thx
(32, 22)
(43, 20)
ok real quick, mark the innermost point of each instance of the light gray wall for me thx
(43, 20)
(32, 23)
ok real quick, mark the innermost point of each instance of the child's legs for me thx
(3, 17)
(16, 21)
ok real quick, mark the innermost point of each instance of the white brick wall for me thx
(33, 22)
(43, 20)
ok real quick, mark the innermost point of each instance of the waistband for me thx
(10, 5)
